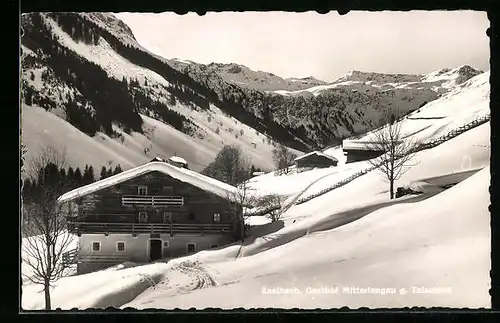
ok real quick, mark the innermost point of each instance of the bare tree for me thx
(44, 229)
(272, 206)
(47, 155)
(283, 158)
(398, 151)
(243, 199)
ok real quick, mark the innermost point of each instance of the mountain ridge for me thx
(88, 69)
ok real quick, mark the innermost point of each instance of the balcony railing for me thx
(134, 228)
(152, 200)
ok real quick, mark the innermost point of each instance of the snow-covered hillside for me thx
(41, 128)
(348, 106)
(441, 243)
(190, 97)
(430, 250)
(322, 113)
(438, 82)
(206, 130)
(451, 111)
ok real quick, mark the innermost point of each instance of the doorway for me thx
(155, 246)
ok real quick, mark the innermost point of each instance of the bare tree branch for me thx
(396, 150)
(45, 236)
(283, 159)
(47, 155)
(271, 205)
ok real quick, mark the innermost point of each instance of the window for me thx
(213, 246)
(142, 190)
(167, 217)
(191, 247)
(216, 217)
(96, 246)
(165, 244)
(143, 216)
(120, 246)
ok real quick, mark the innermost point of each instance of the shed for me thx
(315, 159)
(359, 150)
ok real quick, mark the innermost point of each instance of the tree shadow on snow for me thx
(342, 218)
(260, 231)
(331, 222)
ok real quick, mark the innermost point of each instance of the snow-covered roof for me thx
(318, 153)
(184, 175)
(369, 145)
(177, 159)
(358, 145)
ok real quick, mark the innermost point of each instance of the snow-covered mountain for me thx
(439, 82)
(244, 77)
(89, 88)
(326, 112)
(350, 246)
(85, 77)
(98, 93)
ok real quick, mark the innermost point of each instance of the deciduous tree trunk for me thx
(46, 287)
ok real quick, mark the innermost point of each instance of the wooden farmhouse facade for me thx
(151, 212)
(315, 159)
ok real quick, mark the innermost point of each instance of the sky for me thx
(324, 46)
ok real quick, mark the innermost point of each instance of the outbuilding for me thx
(315, 159)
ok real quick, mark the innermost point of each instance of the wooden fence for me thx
(423, 146)
(70, 257)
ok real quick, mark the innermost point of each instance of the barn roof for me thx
(318, 153)
(368, 145)
(359, 145)
(184, 175)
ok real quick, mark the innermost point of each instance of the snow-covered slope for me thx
(350, 237)
(386, 259)
(198, 137)
(322, 113)
(429, 250)
(41, 128)
(309, 114)
(438, 241)
(426, 250)
(453, 110)
(439, 82)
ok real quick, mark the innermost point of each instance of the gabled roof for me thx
(367, 145)
(184, 175)
(359, 145)
(318, 153)
(177, 159)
